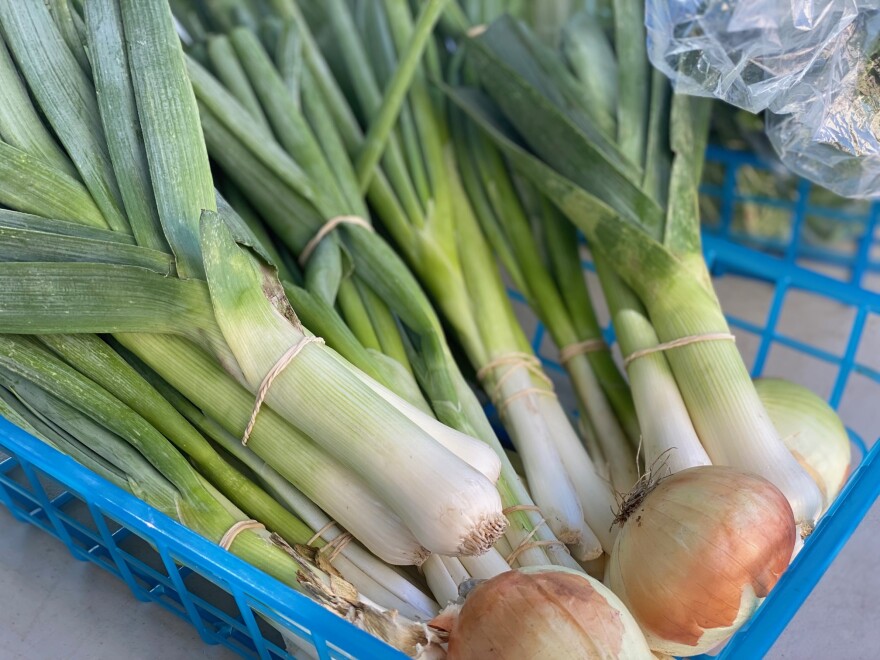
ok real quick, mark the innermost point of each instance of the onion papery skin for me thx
(696, 557)
(811, 430)
(544, 613)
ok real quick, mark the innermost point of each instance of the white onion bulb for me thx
(539, 613)
(696, 556)
(811, 430)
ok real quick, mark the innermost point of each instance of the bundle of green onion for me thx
(221, 252)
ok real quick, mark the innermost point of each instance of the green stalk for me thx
(371, 435)
(658, 159)
(280, 444)
(689, 126)
(395, 92)
(27, 245)
(29, 184)
(94, 359)
(634, 78)
(50, 298)
(69, 25)
(66, 96)
(584, 44)
(16, 220)
(370, 99)
(293, 132)
(385, 326)
(229, 70)
(87, 441)
(355, 313)
(169, 120)
(120, 120)
(375, 29)
(20, 124)
(563, 254)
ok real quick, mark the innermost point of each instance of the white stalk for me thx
(449, 506)
(444, 588)
(594, 493)
(549, 481)
(337, 489)
(668, 437)
(669, 440)
(485, 566)
(475, 453)
(503, 547)
(456, 570)
(608, 433)
(356, 564)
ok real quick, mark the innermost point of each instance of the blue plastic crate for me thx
(856, 257)
(162, 561)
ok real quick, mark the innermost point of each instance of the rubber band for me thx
(320, 532)
(520, 507)
(527, 543)
(677, 343)
(514, 361)
(236, 529)
(336, 546)
(528, 546)
(534, 369)
(537, 391)
(581, 347)
(279, 366)
(325, 229)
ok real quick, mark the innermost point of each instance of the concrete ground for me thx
(57, 607)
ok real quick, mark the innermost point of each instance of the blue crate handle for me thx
(859, 262)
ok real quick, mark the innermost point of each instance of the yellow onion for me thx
(696, 555)
(542, 612)
(811, 430)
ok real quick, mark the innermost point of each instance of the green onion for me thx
(262, 175)
(714, 383)
(445, 247)
(364, 439)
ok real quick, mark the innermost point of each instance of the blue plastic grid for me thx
(162, 561)
(862, 257)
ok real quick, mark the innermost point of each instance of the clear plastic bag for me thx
(814, 66)
(833, 137)
(754, 54)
